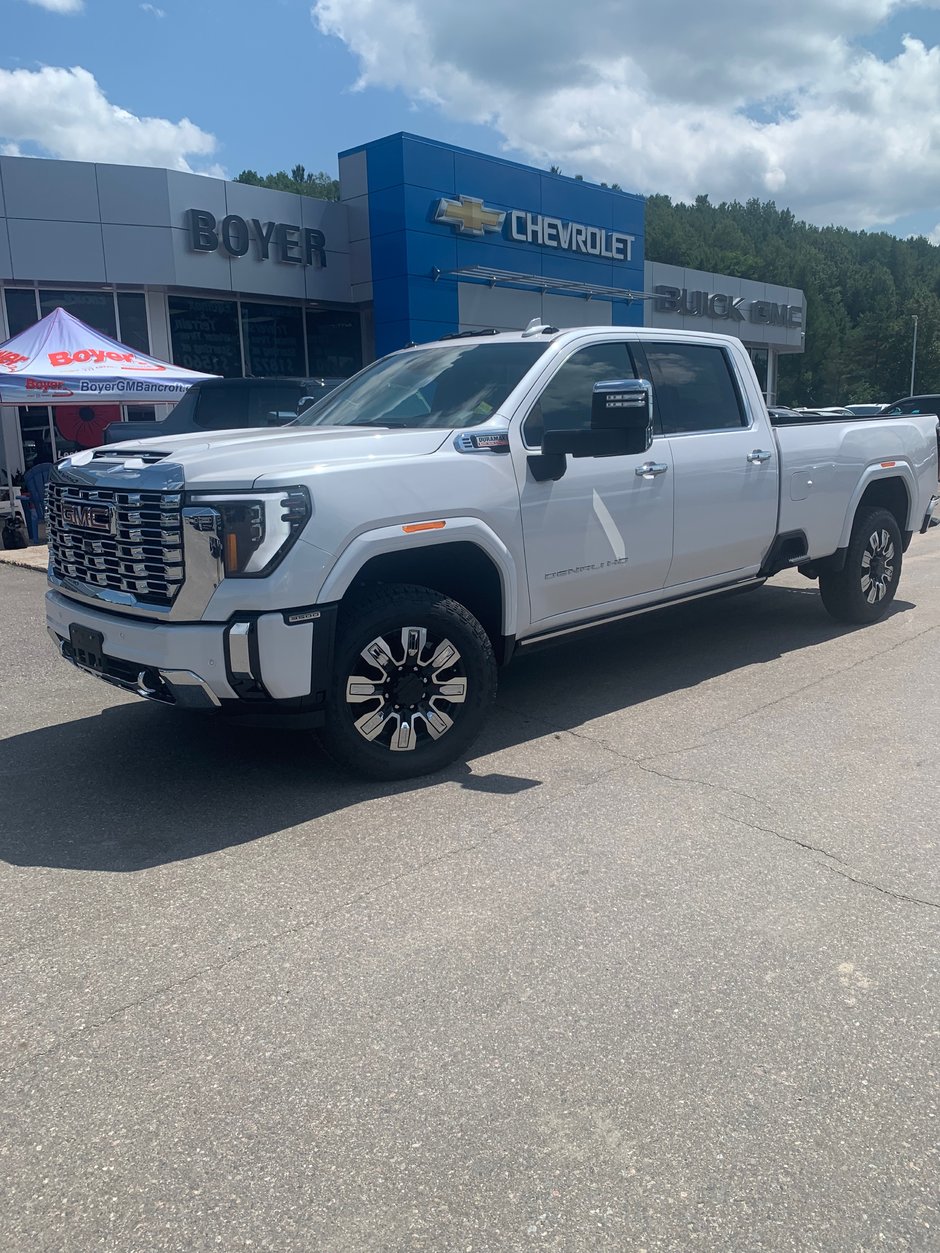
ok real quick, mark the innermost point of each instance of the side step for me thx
(788, 549)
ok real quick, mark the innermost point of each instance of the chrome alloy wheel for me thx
(416, 683)
(877, 566)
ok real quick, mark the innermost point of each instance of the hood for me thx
(240, 458)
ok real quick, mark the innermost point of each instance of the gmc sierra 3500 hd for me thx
(367, 569)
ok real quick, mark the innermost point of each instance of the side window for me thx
(220, 408)
(273, 402)
(694, 388)
(565, 402)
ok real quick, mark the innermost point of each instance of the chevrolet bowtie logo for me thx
(469, 215)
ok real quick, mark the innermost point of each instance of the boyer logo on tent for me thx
(49, 387)
(98, 356)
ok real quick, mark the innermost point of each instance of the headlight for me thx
(258, 528)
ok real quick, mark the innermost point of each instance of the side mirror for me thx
(621, 423)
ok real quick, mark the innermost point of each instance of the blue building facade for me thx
(443, 240)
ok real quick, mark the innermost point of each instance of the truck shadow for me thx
(139, 786)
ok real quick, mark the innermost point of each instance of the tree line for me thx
(303, 182)
(863, 289)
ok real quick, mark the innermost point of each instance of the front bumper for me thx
(250, 661)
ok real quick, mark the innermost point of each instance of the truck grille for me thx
(123, 541)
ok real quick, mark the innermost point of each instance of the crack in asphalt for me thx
(898, 896)
(641, 763)
(681, 778)
(779, 700)
(787, 839)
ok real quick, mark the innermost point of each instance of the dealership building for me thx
(426, 240)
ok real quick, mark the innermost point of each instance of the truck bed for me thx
(824, 460)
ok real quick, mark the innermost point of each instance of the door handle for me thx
(758, 455)
(649, 469)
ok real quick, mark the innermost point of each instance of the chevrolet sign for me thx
(470, 216)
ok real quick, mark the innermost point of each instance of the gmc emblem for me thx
(87, 517)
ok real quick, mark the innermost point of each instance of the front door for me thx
(603, 532)
(724, 465)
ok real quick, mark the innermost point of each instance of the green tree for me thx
(301, 181)
(862, 290)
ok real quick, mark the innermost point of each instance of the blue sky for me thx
(259, 76)
(824, 109)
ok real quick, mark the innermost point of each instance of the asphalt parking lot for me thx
(657, 970)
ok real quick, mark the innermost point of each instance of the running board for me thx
(726, 588)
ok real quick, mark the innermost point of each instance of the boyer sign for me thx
(237, 236)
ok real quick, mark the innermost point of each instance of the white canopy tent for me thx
(61, 361)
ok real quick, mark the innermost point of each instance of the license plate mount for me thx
(87, 647)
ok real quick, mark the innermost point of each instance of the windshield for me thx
(453, 385)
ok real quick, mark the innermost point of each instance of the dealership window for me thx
(132, 320)
(204, 335)
(21, 309)
(334, 343)
(274, 340)
(94, 308)
(565, 403)
(694, 388)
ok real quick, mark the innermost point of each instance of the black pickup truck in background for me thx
(224, 404)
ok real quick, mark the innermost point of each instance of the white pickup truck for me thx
(366, 570)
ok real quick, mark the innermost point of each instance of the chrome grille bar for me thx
(140, 552)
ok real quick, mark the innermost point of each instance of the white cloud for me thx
(152, 9)
(66, 114)
(59, 6)
(678, 96)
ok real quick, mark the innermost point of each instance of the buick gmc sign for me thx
(720, 305)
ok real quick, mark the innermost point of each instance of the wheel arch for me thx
(469, 563)
(885, 489)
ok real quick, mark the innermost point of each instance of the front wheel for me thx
(414, 677)
(864, 588)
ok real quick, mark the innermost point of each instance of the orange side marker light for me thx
(411, 527)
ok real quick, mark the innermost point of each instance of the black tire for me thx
(854, 594)
(410, 704)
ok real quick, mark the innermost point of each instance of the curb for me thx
(24, 558)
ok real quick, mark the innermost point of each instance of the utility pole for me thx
(913, 354)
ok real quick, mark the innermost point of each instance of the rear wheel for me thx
(864, 588)
(413, 680)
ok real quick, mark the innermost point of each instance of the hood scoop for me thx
(141, 456)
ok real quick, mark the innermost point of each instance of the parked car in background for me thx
(867, 410)
(780, 413)
(914, 404)
(230, 404)
(828, 411)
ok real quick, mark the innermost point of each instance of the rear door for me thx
(724, 463)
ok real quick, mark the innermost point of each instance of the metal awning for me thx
(540, 283)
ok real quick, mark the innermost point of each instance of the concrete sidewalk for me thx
(36, 557)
